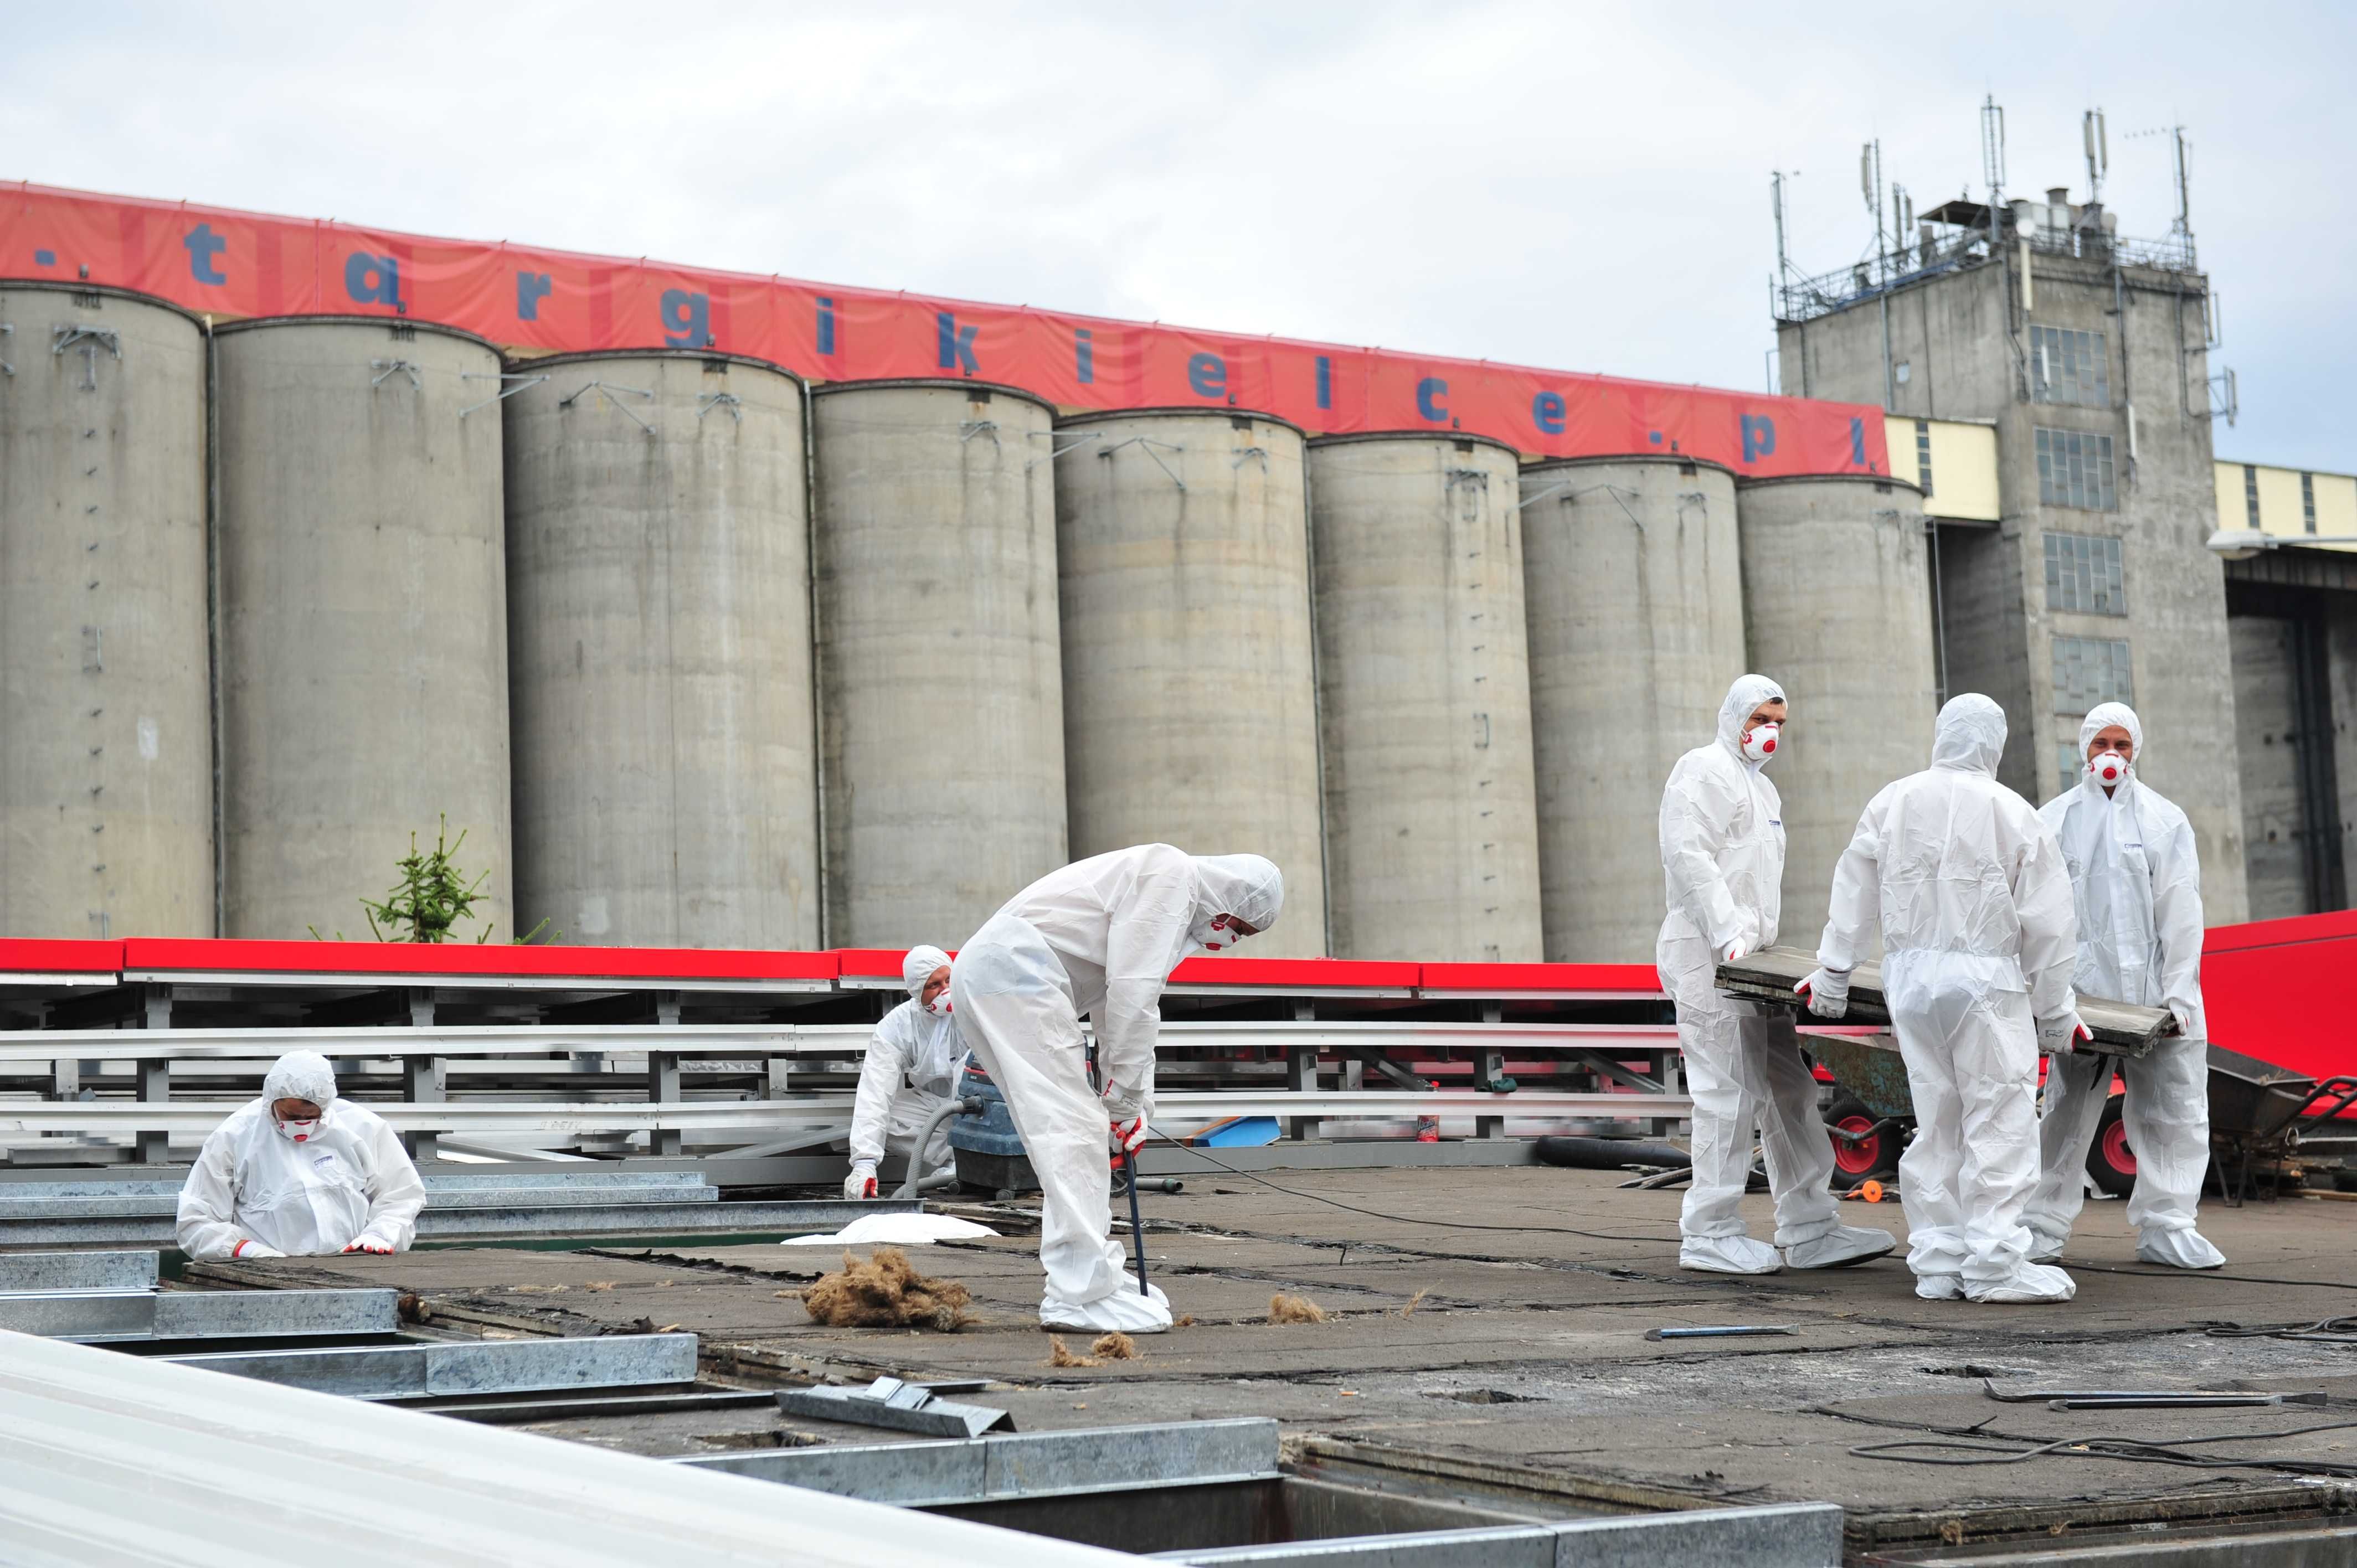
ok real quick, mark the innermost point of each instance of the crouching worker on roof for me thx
(299, 1173)
(911, 1072)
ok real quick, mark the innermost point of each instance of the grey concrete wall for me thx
(1190, 699)
(658, 635)
(105, 718)
(2274, 820)
(2340, 680)
(1963, 336)
(940, 655)
(1432, 822)
(364, 617)
(1633, 581)
(1835, 596)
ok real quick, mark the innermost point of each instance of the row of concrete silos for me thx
(756, 667)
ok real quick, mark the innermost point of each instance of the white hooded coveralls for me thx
(1974, 902)
(1722, 837)
(1099, 937)
(252, 1185)
(2138, 881)
(913, 1060)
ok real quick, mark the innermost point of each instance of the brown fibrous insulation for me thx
(887, 1292)
(1060, 1355)
(1186, 1320)
(1114, 1346)
(1285, 1308)
(1414, 1301)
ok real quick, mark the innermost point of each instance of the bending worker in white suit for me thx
(1099, 937)
(2138, 884)
(1723, 862)
(1978, 943)
(913, 1061)
(298, 1173)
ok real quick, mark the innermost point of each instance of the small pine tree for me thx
(432, 895)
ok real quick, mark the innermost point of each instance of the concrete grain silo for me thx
(1837, 599)
(659, 632)
(1635, 596)
(1190, 693)
(941, 680)
(106, 824)
(362, 616)
(1424, 677)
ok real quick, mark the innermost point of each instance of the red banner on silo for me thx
(228, 265)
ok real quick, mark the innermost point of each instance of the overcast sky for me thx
(1582, 188)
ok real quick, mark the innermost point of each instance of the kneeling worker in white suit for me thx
(1723, 861)
(1099, 937)
(299, 1173)
(913, 1061)
(2138, 883)
(1979, 944)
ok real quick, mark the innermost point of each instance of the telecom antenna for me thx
(1869, 183)
(1992, 147)
(2099, 153)
(1776, 178)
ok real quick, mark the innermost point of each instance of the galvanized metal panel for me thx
(1505, 1546)
(90, 1315)
(1789, 1535)
(910, 1474)
(77, 1271)
(274, 1313)
(501, 1366)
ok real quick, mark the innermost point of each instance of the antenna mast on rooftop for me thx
(2099, 151)
(1869, 182)
(1992, 147)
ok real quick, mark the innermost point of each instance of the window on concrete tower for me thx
(2074, 468)
(1923, 455)
(2251, 494)
(2069, 366)
(2082, 575)
(2307, 501)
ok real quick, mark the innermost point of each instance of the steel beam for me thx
(489, 1366)
(101, 1317)
(1791, 1535)
(789, 1218)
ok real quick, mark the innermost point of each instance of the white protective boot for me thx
(2029, 1283)
(1839, 1248)
(2185, 1249)
(1940, 1287)
(1125, 1310)
(1728, 1255)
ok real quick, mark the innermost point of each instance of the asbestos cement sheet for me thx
(2121, 1028)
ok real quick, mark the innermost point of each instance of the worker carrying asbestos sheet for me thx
(1979, 940)
(1099, 937)
(2138, 882)
(912, 1070)
(298, 1173)
(1722, 837)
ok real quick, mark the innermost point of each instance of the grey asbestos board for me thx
(2121, 1028)
(489, 1366)
(77, 1271)
(1026, 1465)
(115, 1316)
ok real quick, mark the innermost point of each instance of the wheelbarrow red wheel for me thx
(1870, 1154)
(2111, 1162)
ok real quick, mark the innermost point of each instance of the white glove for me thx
(2184, 1017)
(1827, 990)
(2062, 1034)
(1735, 952)
(861, 1182)
(367, 1244)
(249, 1248)
(1129, 1136)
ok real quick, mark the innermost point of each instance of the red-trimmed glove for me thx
(369, 1244)
(248, 1248)
(1129, 1136)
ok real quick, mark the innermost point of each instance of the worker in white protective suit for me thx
(1723, 864)
(2138, 884)
(1979, 942)
(1099, 937)
(299, 1173)
(913, 1061)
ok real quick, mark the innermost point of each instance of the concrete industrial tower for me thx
(2088, 354)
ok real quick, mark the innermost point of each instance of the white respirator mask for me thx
(2108, 768)
(1216, 934)
(299, 1132)
(940, 1005)
(1761, 744)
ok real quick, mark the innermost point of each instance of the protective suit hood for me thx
(1747, 693)
(300, 1075)
(1970, 735)
(1246, 885)
(2102, 717)
(918, 967)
